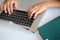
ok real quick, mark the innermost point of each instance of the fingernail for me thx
(9, 13)
(34, 17)
(5, 12)
(29, 17)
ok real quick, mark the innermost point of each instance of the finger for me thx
(31, 9)
(11, 7)
(38, 12)
(5, 8)
(34, 8)
(8, 8)
(30, 14)
(34, 12)
(16, 5)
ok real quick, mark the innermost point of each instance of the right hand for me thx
(9, 5)
(37, 9)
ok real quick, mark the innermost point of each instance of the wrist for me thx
(53, 4)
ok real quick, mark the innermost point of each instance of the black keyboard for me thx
(18, 17)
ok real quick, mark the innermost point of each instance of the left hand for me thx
(37, 9)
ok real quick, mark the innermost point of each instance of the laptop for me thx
(19, 18)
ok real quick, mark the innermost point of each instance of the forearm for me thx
(6, 1)
(53, 4)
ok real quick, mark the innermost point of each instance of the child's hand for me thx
(9, 5)
(37, 9)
